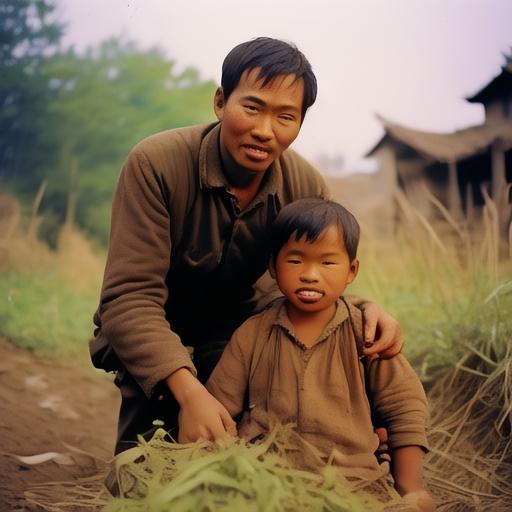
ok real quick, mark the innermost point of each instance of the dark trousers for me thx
(137, 412)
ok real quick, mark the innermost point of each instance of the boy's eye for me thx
(294, 262)
(329, 263)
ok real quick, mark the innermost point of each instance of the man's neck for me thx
(244, 183)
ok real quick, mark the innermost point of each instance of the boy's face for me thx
(312, 275)
(259, 123)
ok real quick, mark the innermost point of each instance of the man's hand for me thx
(383, 334)
(201, 415)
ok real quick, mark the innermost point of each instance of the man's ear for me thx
(219, 103)
(271, 267)
(354, 268)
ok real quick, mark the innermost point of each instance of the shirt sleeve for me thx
(134, 293)
(398, 399)
(229, 379)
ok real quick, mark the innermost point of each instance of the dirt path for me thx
(43, 404)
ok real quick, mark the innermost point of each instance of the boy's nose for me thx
(309, 276)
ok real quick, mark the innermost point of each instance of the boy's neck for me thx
(309, 326)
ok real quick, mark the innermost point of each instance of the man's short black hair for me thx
(312, 217)
(274, 57)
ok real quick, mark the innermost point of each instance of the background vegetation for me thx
(68, 119)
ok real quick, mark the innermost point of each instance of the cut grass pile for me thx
(159, 476)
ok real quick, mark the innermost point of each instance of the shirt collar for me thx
(212, 176)
(282, 320)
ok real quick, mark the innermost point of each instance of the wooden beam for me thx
(470, 205)
(498, 171)
(454, 201)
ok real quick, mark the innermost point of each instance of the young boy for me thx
(300, 360)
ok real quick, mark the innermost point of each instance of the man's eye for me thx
(252, 108)
(286, 117)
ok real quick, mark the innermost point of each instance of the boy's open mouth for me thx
(309, 294)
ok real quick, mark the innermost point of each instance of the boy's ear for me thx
(219, 103)
(354, 268)
(271, 267)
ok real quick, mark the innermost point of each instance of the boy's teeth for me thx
(310, 294)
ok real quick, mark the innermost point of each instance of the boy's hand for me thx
(420, 501)
(383, 334)
(201, 415)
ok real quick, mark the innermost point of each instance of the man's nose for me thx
(262, 129)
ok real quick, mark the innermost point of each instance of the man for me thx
(188, 243)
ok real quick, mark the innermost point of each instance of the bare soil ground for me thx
(51, 406)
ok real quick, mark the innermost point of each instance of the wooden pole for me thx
(454, 206)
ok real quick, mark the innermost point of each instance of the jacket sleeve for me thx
(230, 378)
(131, 316)
(398, 399)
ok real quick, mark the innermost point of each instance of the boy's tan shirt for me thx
(322, 389)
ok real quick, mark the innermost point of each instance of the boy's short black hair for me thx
(274, 57)
(312, 217)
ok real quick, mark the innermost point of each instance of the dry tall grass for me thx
(434, 277)
(76, 259)
(451, 285)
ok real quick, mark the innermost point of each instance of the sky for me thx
(411, 61)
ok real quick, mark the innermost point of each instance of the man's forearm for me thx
(182, 383)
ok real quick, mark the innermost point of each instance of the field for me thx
(450, 289)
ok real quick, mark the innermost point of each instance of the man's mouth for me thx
(309, 294)
(255, 152)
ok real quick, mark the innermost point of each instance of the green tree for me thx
(69, 119)
(28, 34)
(104, 102)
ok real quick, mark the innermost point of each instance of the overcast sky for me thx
(412, 61)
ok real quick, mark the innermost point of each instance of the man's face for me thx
(312, 275)
(259, 123)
